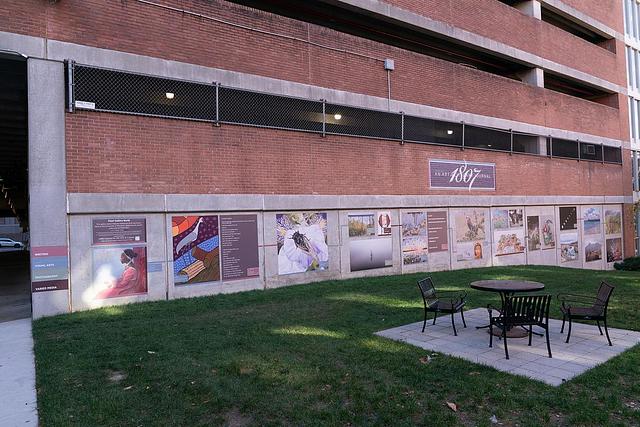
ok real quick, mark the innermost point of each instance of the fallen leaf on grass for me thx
(452, 406)
(425, 359)
(493, 419)
(246, 371)
(474, 373)
(128, 388)
(151, 352)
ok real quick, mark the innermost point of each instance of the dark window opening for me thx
(265, 110)
(110, 90)
(429, 131)
(343, 120)
(612, 154)
(564, 148)
(525, 143)
(486, 138)
(590, 151)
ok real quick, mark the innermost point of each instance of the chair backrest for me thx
(427, 289)
(604, 293)
(527, 308)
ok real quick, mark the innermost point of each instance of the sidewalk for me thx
(17, 375)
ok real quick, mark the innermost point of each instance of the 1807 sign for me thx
(462, 175)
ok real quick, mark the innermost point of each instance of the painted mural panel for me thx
(196, 249)
(613, 221)
(568, 247)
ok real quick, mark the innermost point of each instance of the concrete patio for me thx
(586, 349)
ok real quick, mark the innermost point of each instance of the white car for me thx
(9, 243)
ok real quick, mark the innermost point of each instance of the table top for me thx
(507, 285)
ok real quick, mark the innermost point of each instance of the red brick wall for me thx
(122, 153)
(134, 27)
(508, 25)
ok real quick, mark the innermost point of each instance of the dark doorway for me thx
(15, 282)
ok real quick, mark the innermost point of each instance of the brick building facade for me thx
(536, 88)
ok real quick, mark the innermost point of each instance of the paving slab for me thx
(586, 349)
(17, 375)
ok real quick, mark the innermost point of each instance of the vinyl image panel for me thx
(568, 247)
(547, 232)
(592, 221)
(302, 242)
(614, 249)
(533, 233)
(612, 221)
(568, 218)
(592, 250)
(196, 249)
(361, 225)
(119, 271)
(415, 244)
(367, 254)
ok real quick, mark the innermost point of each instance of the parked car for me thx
(5, 242)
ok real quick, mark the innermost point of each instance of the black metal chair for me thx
(525, 311)
(584, 307)
(449, 302)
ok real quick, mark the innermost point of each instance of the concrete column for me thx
(47, 188)
(542, 145)
(634, 169)
(530, 7)
(533, 77)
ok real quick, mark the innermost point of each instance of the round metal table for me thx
(507, 288)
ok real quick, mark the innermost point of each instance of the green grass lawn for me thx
(306, 355)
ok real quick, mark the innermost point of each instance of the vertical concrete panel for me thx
(546, 255)
(47, 173)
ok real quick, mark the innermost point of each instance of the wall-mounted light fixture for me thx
(337, 116)
(170, 95)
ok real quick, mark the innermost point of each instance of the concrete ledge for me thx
(97, 203)
(213, 202)
(26, 45)
(586, 20)
(85, 203)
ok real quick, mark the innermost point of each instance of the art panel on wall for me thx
(196, 249)
(592, 221)
(469, 234)
(614, 249)
(568, 218)
(612, 221)
(384, 223)
(592, 250)
(415, 244)
(361, 225)
(533, 233)
(302, 242)
(568, 247)
(548, 232)
(508, 234)
(119, 271)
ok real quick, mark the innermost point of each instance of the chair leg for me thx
(462, 315)
(546, 330)
(506, 349)
(453, 323)
(564, 317)
(435, 314)
(530, 334)
(424, 324)
(599, 328)
(569, 332)
(607, 331)
(491, 335)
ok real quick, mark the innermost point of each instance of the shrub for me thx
(628, 264)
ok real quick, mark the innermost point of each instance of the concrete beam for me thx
(105, 203)
(530, 7)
